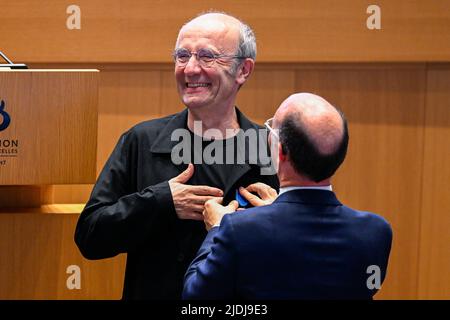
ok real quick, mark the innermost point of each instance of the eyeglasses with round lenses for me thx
(205, 57)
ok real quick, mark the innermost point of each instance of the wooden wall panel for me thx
(263, 93)
(170, 99)
(287, 30)
(126, 98)
(385, 110)
(36, 250)
(434, 267)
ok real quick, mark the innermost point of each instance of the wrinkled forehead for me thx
(218, 30)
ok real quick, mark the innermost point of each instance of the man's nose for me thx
(192, 66)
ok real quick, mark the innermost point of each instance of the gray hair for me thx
(247, 45)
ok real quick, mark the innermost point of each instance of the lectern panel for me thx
(48, 126)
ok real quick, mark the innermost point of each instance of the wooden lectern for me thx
(48, 136)
(49, 132)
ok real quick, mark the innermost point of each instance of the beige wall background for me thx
(393, 85)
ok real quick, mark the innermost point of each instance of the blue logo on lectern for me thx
(6, 119)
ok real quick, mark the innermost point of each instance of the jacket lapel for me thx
(163, 142)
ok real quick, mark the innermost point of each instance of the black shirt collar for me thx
(163, 142)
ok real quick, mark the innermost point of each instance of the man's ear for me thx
(244, 71)
(282, 155)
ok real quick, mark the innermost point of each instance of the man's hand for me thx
(266, 194)
(214, 211)
(189, 200)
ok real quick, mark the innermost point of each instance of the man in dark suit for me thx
(305, 244)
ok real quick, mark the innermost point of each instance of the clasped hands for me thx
(205, 203)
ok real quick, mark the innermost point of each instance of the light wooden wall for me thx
(287, 30)
(434, 263)
(399, 116)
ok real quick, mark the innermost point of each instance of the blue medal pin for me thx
(240, 199)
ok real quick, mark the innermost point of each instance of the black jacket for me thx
(131, 210)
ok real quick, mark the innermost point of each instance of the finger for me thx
(213, 203)
(263, 186)
(206, 191)
(233, 205)
(255, 187)
(185, 175)
(250, 197)
(262, 189)
(273, 193)
(207, 226)
(266, 192)
(193, 208)
(202, 199)
(198, 208)
(194, 216)
(217, 200)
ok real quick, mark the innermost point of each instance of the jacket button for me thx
(180, 257)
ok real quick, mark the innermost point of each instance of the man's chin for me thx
(194, 104)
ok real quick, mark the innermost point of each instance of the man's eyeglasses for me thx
(268, 125)
(205, 57)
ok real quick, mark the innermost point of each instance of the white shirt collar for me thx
(287, 189)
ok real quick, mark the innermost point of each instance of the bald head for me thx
(313, 133)
(213, 19)
(220, 25)
(320, 120)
